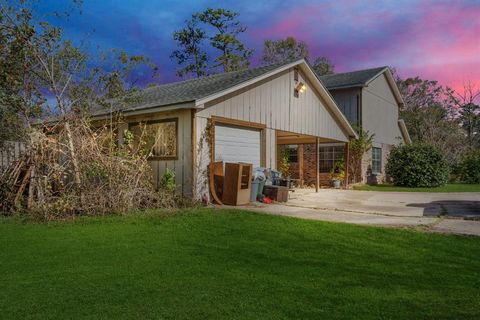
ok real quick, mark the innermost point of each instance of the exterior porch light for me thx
(301, 87)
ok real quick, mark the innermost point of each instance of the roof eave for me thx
(404, 131)
(151, 108)
(202, 101)
(350, 86)
(392, 84)
(351, 134)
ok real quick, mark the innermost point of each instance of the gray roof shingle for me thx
(350, 79)
(194, 89)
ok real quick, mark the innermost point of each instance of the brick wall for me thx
(309, 166)
(367, 161)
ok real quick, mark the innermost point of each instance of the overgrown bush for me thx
(107, 178)
(417, 165)
(469, 167)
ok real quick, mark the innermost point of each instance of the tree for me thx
(277, 51)
(430, 116)
(470, 167)
(53, 77)
(357, 148)
(469, 113)
(20, 99)
(323, 66)
(234, 55)
(190, 54)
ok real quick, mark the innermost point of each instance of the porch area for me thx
(310, 160)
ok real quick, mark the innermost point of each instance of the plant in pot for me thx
(284, 164)
(337, 174)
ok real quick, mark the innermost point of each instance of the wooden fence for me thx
(9, 152)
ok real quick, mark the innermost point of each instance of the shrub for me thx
(469, 167)
(417, 165)
(168, 180)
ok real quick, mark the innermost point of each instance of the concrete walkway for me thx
(457, 213)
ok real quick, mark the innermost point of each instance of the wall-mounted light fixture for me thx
(301, 87)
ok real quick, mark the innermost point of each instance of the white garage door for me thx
(234, 144)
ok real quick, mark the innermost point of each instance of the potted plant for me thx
(284, 165)
(337, 174)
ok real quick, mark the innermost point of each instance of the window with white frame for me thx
(376, 160)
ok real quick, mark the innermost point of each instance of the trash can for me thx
(254, 192)
(261, 185)
(258, 182)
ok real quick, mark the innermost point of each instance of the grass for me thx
(453, 187)
(228, 264)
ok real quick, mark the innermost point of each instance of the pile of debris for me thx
(98, 177)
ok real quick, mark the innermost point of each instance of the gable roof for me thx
(194, 93)
(352, 79)
(194, 89)
(360, 79)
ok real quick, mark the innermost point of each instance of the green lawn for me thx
(454, 187)
(212, 264)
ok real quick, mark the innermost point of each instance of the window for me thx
(292, 152)
(328, 156)
(158, 137)
(376, 160)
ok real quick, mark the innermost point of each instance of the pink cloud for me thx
(437, 40)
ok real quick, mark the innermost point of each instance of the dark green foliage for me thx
(417, 165)
(233, 53)
(190, 54)
(231, 264)
(168, 180)
(222, 29)
(469, 167)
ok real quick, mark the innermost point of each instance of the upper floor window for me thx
(158, 137)
(376, 160)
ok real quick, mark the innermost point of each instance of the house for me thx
(241, 116)
(368, 98)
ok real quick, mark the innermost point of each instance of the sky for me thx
(433, 39)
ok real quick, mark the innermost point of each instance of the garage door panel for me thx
(234, 144)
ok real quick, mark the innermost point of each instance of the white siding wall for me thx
(380, 112)
(273, 104)
(380, 116)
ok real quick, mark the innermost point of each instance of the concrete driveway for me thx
(442, 212)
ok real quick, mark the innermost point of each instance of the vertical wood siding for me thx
(9, 152)
(272, 103)
(183, 164)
